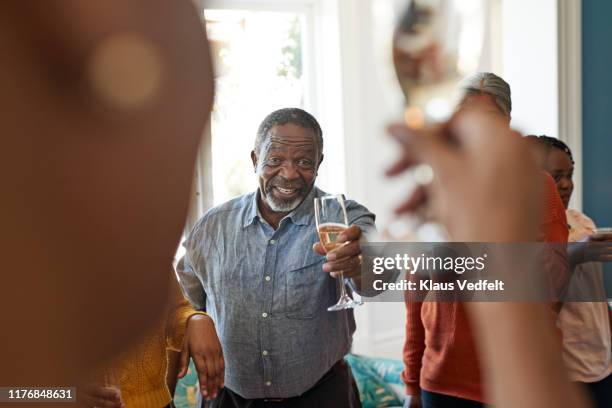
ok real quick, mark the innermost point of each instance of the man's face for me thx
(560, 167)
(286, 164)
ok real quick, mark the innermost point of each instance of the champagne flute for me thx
(436, 44)
(330, 215)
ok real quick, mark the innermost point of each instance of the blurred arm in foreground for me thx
(493, 197)
(102, 108)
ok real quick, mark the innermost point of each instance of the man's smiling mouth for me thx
(287, 191)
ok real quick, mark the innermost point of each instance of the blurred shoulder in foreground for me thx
(102, 107)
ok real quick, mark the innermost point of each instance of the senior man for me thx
(255, 265)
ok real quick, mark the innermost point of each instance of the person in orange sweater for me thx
(586, 326)
(140, 377)
(440, 355)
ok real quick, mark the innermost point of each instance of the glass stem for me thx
(342, 285)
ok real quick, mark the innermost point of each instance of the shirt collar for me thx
(251, 211)
(302, 215)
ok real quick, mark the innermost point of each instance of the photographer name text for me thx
(480, 285)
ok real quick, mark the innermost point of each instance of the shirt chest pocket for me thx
(305, 283)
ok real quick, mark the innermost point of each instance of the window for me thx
(259, 65)
(268, 54)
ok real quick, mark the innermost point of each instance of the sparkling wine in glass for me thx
(330, 215)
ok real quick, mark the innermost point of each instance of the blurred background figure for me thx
(487, 93)
(587, 348)
(446, 373)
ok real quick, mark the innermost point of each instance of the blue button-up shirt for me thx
(268, 295)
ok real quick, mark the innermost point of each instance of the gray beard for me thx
(277, 205)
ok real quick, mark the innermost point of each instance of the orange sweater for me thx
(439, 353)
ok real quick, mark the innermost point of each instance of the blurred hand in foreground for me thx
(100, 395)
(485, 189)
(485, 181)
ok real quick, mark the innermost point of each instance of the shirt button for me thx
(268, 279)
(268, 383)
(264, 314)
(272, 241)
(265, 352)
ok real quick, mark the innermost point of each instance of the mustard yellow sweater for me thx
(141, 371)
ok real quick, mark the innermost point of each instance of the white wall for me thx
(530, 61)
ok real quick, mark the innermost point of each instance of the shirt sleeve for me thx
(361, 216)
(190, 270)
(177, 323)
(581, 226)
(414, 347)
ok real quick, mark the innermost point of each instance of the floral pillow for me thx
(378, 381)
(186, 391)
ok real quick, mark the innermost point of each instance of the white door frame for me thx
(570, 87)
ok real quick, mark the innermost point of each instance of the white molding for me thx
(496, 35)
(531, 58)
(570, 86)
(202, 190)
(269, 5)
(328, 105)
(351, 18)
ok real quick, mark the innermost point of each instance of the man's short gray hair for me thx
(487, 83)
(284, 116)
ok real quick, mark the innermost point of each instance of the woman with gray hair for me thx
(440, 356)
(486, 92)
